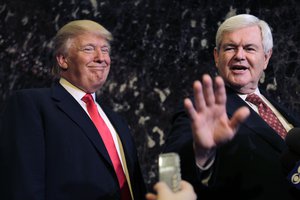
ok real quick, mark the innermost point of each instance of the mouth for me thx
(98, 67)
(238, 68)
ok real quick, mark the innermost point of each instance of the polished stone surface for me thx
(159, 49)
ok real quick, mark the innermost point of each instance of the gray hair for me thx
(70, 31)
(243, 21)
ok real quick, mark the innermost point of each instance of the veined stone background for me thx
(160, 47)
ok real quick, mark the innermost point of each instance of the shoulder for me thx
(26, 98)
(35, 94)
(31, 92)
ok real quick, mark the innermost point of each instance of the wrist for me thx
(204, 157)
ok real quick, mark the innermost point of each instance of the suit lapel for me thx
(254, 122)
(67, 104)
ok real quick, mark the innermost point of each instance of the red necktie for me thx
(267, 114)
(109, 144)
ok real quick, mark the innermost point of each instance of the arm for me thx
(22, 161)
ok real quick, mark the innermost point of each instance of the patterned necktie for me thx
(109, 144)
(267, 114)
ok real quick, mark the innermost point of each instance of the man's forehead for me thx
(90, 39)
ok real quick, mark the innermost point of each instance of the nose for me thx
(240, 54)
(99, 55)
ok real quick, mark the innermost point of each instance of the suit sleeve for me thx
(180, 140)
(22, 150)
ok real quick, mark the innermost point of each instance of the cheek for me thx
(79, 60)
(108, 60)
(223, 64)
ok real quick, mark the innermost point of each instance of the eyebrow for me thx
(80, 47)
(233, 44)
(92, 44)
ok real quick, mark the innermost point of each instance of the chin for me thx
(236, 83)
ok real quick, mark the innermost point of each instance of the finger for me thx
(189, 107)
(162, 189)
(188, 188)
(239, 117)
(208, 90)
(151, 196)
(220, 92)
(186, 185)
(161, 186)
(198, 96)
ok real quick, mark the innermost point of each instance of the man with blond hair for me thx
(58, 142)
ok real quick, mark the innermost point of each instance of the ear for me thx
(62, 61)
(267, 58)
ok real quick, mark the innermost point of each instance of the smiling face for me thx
(241, 59)
(87, 62)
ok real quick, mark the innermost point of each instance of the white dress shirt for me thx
(78, 94)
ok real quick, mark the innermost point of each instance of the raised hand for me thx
(209, 121)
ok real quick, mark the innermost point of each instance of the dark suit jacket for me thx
(248, 167)
(50, 149)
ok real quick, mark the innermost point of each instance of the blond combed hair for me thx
(62, 39)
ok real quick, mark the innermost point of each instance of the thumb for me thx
(239, 117)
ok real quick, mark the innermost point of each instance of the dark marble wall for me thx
(160, 47)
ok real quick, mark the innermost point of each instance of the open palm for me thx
(209, 121)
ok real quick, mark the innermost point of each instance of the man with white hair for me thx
(230, 135)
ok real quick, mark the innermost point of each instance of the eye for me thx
(105, 50)
(229, 48)
(250, 49)
(88, 49)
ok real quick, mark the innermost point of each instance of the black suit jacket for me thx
(50, 149)
(248, 167)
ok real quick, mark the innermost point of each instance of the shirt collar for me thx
(244, 96)
(73, 90)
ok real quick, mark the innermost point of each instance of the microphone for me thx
(290, 158)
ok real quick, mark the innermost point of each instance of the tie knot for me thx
(87, 98)
(255, 99)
